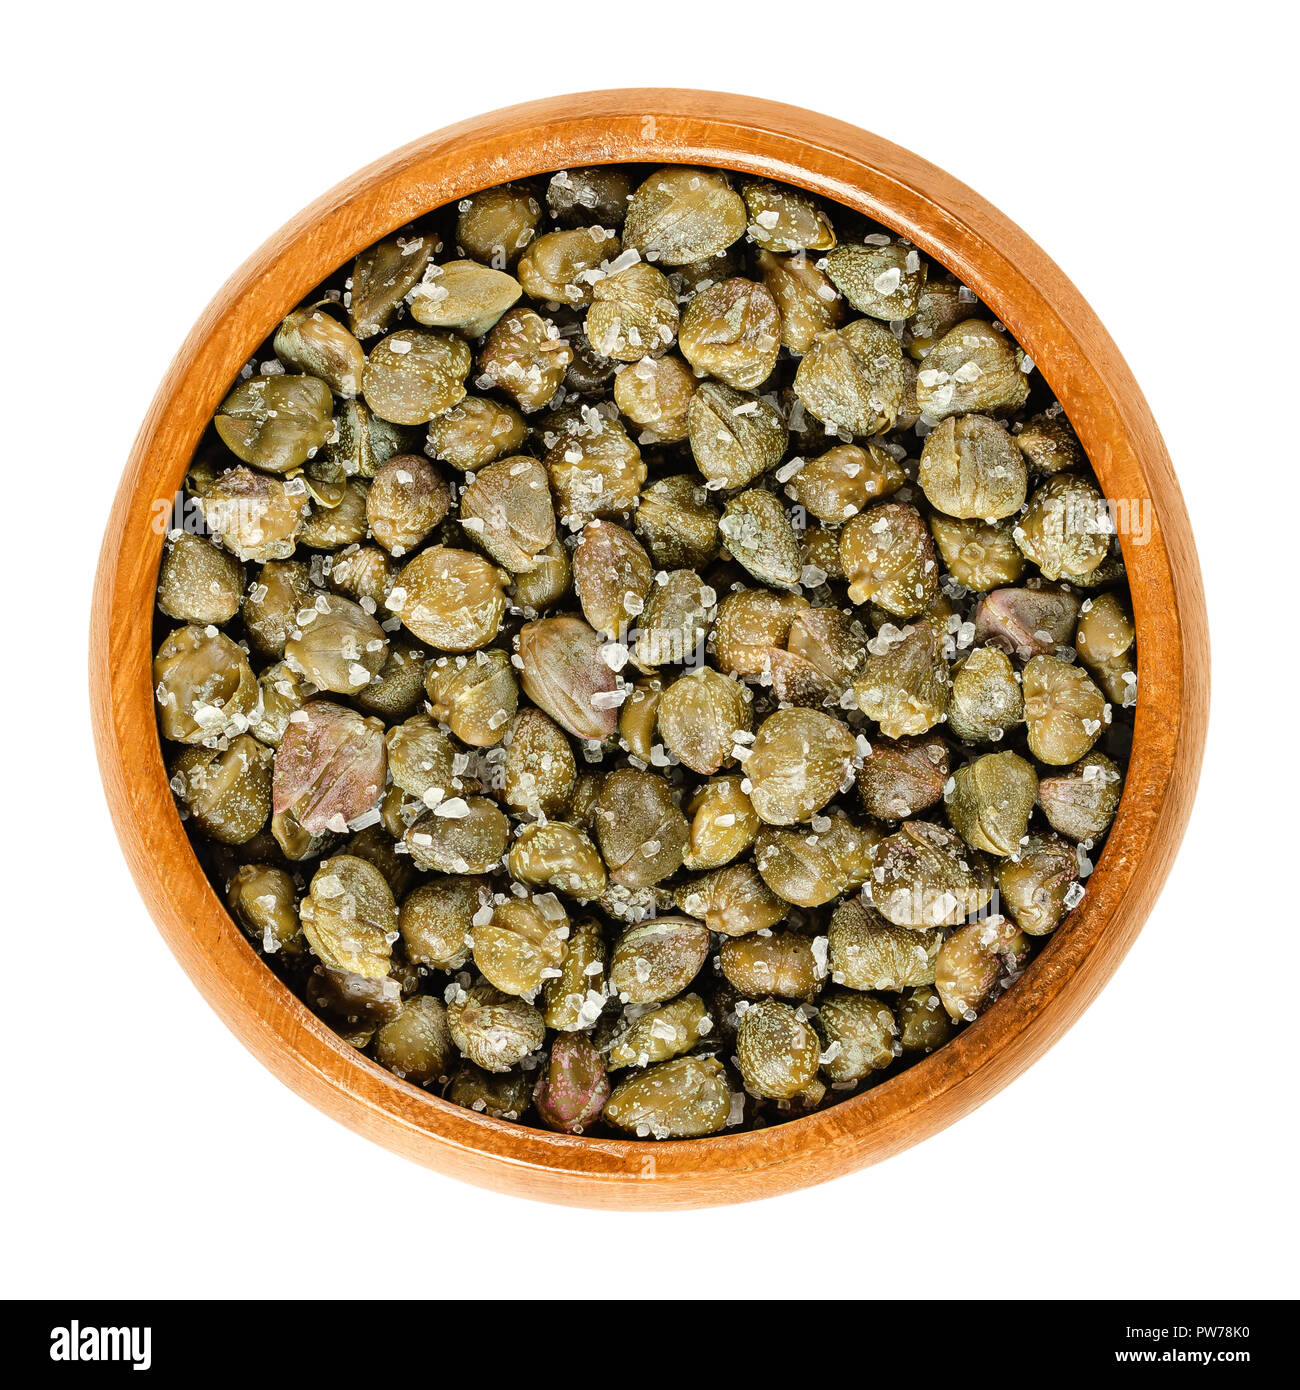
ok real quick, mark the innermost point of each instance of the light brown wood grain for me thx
(1081, 364)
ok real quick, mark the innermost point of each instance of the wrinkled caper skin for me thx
(198, 582)
(778, 1052)
(866, 952)
(685, 1098)
(639, 623)
(859, 1034)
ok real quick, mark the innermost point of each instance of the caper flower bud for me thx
(338, 646)
(986, 699)
(655, 393)
(1082, 801)
(685, 1098)
(452, 599)
(1026, 622)
(462, 835)
(275, 423)
(889, 560)
(476, 697)
(980, 555)
(785, 219)
(574, 998)
(732, 900)
(494, 1030)
(564, 673)
(904, 681)
(925, 876)
(495, 225)
(901, 777)
(1067, 528)
(349, 917)
(553, 854)
(313, 341)
(852, 378)
(416, 1044)
(992, 800)
(406, 500)
(599, 193)
(778, 1053)
(463, 295)
(800, 759)
(806, 300)
(503, 1095)
(859, 1034)
(382, 276)
(416, 373)
(972, 961)
(476, 432)
(972, 367)
(573, 1088)
(811, 867)
(227, 792)
(540, 771)
(699, 716)
(1064, 711)
(633, 314)
(732, 331)
(641, 833)
(838, 484)
(522, 943)
(198, 582)
(756, 531)
(782, 963)
(1049, 444)
(1104, 638)
(1037, 883)
(681, 214)
(656, 960)
(526, 357)
(255, 517)
(437, 917)
(560, 267)
(595, 468)
(612, 575)
(970, 468)
(884, 282)
(661, 1033)
(722, 824)
(204, 686)
(263, 901)
(734, 437)
(675, 622)
(329, 767)
(866, 952)
(923, 1022)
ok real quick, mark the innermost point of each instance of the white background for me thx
(149, 150)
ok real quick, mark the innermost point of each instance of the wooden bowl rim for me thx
(1046, 315)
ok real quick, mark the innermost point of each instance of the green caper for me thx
(986, 699)
(199, 583)
(859, 1034)
(226, 792)
(1082, 801)
(349, 917)
(972, 367)
(992, 800)
(778, 1053)
(275, 423)
(1039, 882)
(868, 953)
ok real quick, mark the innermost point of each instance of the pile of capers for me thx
(642, 651)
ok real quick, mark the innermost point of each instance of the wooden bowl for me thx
(1081, 364)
